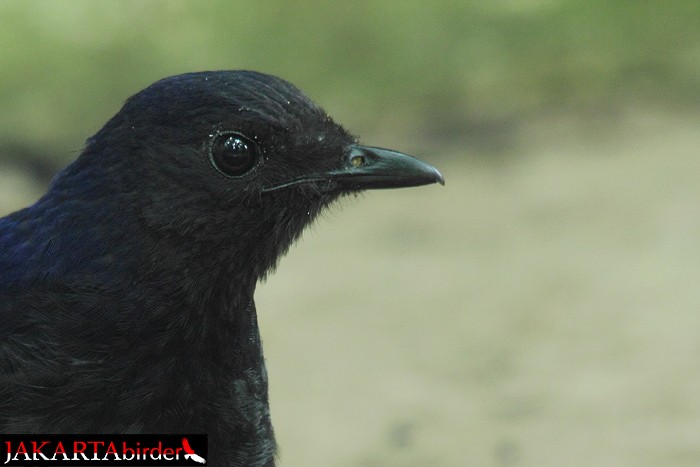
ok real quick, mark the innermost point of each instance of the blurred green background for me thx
(542, 309)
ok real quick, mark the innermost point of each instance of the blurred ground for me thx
(538, 312)
(541, 309)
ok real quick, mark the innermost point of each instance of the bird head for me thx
(230, 161)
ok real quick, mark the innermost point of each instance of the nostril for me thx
(357, 161)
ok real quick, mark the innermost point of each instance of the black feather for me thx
(126, 292)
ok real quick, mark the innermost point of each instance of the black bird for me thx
(126, 291)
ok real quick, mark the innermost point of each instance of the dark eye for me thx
(233, 155)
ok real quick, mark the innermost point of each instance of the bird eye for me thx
(233, 155)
